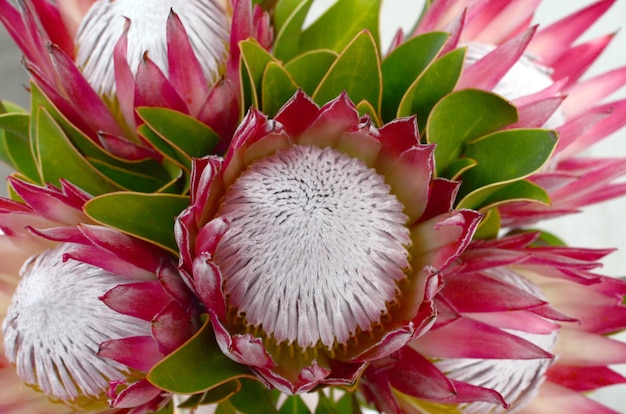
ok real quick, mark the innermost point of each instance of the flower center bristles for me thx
(56, 322)
(316, 247)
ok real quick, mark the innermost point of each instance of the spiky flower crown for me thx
(317, 213)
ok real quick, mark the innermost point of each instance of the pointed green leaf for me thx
(349, 403)
(458, 167)
(185, 134)
(214, 395)
(255, 59)
(341, 23)
(164, 147)
(489, 226)
(226, 407)
(278, 88)
(197, 366)
(506, 156)
(437, 81)
(15, 150)
(137, 181)
(93, 151)
(356, 71)
(168, 409)
(8, 106)
(16, 123)
(464, 116)
(309, 69)
(325, 405)
(492, 196)
(404, 65)
(57, 158)
(289, 19)
(294, 405)
(146, 216)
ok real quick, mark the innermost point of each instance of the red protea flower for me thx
(541, 70)
(316, 245)
(93, 311)
(527, 320)
(126, 54)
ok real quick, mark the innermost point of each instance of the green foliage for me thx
(197, 367)
(149, 217)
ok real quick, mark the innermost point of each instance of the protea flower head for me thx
(127, 54)
(316, 245)
(540, 69)
(92, 311)
(537, 317)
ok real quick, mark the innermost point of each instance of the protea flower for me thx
(167, 54)
(316, 245)
(537, 317)
(541, 72)
(93, 309)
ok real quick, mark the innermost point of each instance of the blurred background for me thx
(600, 226)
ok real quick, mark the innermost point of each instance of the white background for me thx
(600, 226)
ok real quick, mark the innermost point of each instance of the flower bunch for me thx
(219, 204)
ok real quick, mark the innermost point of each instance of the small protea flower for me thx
(126, 54)
(533, 314)
(93, 309)
(317, 244)
(540, 70)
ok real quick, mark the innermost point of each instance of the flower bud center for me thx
(316, 247)
(205, 22)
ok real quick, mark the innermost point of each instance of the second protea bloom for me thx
(101, 28)
(526, 320)
(317, 244)
(90, 313)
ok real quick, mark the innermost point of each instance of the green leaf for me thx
(278, 88)
(256, 398)
(15, 150)
(289, 19)
(341, 23)
(8, 106)
(93, 151)
(57, 158)
(349, 403)
(489, 226)
(197, 366)
(506, 156)
(464, 116)
(492, 196)
(356, 71)
(164, 148)
(458, 167)
(214, 395)
(404, 65)
(255, 59)
(294, 405)
(189, 137)
(325, 405)
(309, 69)
(437, 81)
(147, 216)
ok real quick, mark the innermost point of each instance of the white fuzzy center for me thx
(316, 246)
(56, 322)
(205, 22)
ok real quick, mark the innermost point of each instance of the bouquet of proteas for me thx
(216, 206)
